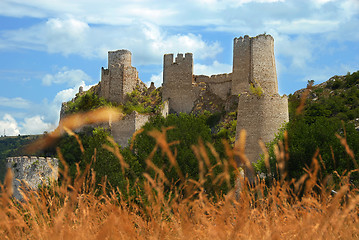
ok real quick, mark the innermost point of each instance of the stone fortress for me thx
(261, 115)
(252, 83)
(253, 68)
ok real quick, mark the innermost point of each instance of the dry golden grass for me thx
(74, 210)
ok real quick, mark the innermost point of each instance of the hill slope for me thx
(336, 98)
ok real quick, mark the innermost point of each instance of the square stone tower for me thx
(177, 82)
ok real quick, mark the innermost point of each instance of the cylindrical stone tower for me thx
(241, 64)
(263, 63)
(122, 57)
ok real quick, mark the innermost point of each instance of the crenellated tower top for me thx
(254, 63)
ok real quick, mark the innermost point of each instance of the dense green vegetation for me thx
(145, 101)
(86, 102)
(108, 165)
(337, 98)
(142, 101)
(327, 105)
(331, 108)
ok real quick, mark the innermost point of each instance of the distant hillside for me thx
(336, 98)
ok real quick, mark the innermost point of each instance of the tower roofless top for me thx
(122, 57)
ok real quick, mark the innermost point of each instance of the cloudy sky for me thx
(48, 48)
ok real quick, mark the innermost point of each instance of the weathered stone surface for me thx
(123, 130)
(120, 77)
(261, 117)
(177, 82)
(32, 172)
(253, 64)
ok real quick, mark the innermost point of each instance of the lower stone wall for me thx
(222, 90)
(261, 117)
(123, 130)
(217, 78)
(34, 171)
(180, 97)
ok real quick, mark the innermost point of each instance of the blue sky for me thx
(48, 48)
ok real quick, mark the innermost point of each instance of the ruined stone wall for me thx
(263, 63)
(177, 82)
(242, 55)
(33, 170)
(218, 78)
(123, 130)
(130, 80)
(261, 117)
(219, 84)
(222, 90)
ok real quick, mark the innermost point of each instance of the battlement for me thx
(246, 38)
(33, 170)
(105, 71)
(30, 159)
(168, 59)
(180, 70)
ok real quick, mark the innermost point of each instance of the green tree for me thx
(188, 129)
(305, 137)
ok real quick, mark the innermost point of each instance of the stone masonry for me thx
(123, 130)
(253, 64)
(34, 171)
(261, 115)
(119, 78)
(253, 68)
(178, 81)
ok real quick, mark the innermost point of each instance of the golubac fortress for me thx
(260, 114)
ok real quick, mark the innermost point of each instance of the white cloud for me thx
(65, 95)
(148, 42)
(35, 118)
(304, 26)
(35, 125)
(91, 28)
(30, 125)
(157, 79)
(71, 77)
(9, 125)
(215, 68)
(44, 117)
(298, 49)
(16, 102)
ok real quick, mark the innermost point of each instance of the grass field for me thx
(285, 209)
